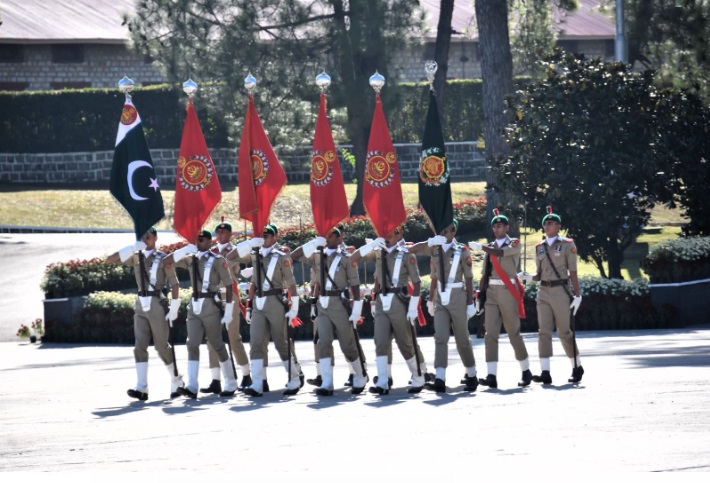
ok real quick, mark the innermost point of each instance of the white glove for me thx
(228, 314)
(471, 310)
(373, 308)
(246, 273)
(256, 242)
(247, 313)
(183, 252)
(310, 247)
(413, 309)
(313, 313)
(475, 245)
(126, 252)
(477, 305)
(173, 312)
(576, 302)
(525, 277)
(430, 307)
(436, 240)
(356, 313)
(376, 243)
(293, 311)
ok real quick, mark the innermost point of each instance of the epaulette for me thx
(565, 239)
(162, 254)
(539, 243)
(514, 240)
(281, 251)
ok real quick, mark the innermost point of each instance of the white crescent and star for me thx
(132, 167)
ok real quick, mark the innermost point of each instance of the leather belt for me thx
(553, 283)
(498, 281)
(207, 295)
(384, 291)
(274, 291)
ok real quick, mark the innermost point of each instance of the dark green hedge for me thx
(87, 119)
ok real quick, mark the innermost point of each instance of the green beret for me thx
(551, 216)
(498, 218)
(271, 229)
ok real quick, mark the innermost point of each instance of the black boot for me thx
(251, 392)
(321, 391)
(265, 386)
(291, 392)
(470, 383)
(215, 387)
(349, 383)
(378, 390)
(577, 374)
(490, 381)
(183, 391)
(246, 382)
(389, 381)
(527, 378)
(437, 386)
(141, 396)
(544, 378)
(317, 381)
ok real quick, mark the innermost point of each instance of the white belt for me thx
(498, 281)
(454, 285)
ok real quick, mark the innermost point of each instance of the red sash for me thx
(518, 292)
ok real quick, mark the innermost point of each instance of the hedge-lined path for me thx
(643, 405)
(25, 256)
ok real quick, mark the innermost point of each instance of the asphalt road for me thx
(643, 405)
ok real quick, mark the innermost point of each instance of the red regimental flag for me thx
(197, 188)
(261, 176)
(330, 205)
(382, 192)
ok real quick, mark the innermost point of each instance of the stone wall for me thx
(466, 161)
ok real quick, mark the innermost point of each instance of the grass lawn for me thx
(93, 206)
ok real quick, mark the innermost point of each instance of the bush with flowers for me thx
(679, 260)
(24, 332)
(81, 277)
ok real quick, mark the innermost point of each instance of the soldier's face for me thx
(449, 232)
(203, 243)
(333, 240)
(149, 239)
(269, 239)
(552, 228)
(393, 237)
(500, 230)
(223, 235)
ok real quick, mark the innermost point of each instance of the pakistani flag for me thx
(134, 183)
(434, 179)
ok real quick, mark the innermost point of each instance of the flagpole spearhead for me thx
(377, 81)
(323, 81)
(126, 85)
(250, 84)
(189, 87)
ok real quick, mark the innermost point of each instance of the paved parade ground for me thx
(643, 405)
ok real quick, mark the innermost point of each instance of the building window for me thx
(14, 86)
(67, 53)
(69, 85)
(568, 45)
(12, 53)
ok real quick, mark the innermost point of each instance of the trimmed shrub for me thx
(679, 260)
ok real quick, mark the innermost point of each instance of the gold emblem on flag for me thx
(432, 169)
(129, 115)
(196, 172)
(259, 166)
(378, 171)
(321, 171)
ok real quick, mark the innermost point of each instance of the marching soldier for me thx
(149, 319)
(208, 272)
(395, 308)
(272, 275)
(223, 233)
(335, 316)
(454, 304)
(504, 299)
(556, 262)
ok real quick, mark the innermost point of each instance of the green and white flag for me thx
(434, 178)
(134, 183)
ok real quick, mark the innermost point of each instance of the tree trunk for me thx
(441, 51)
(615, 255)
(497, 73)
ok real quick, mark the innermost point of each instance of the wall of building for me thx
(466, 161)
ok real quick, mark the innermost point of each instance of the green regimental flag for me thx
(134, 183)
(434, 185)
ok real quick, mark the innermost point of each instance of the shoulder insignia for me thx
(413, 259)
(574, 250)
(225, 265)
(285, 249)
(353, 263)
(469, 260)
(287, 262)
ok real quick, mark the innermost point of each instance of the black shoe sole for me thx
(290, 392)
(251, 392)
(324, 392)
(415, 390)
(141, 396)
(379, 391)
(357, 390)
(227, 393)
(186, 392)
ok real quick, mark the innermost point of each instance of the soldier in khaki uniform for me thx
(149, 319)
(223, 233)
(208, 272)
(334, 318)
(454, 306)
(394, 268)
(504, 299)
(556, 262)
(274, 271)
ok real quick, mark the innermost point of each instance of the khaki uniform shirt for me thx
(464, 269)
(282, 277)
(346, 274)
(409, 271)
(219, 274)
(563, 254)
(165, 277)
(509, 260)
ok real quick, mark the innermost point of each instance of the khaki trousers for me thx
(553, 311)
(502, 307)
(147, 324)
(207, 324)
(447, 317)
(235, 341)
(270, 320)
(334, 321)
(393, 322)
